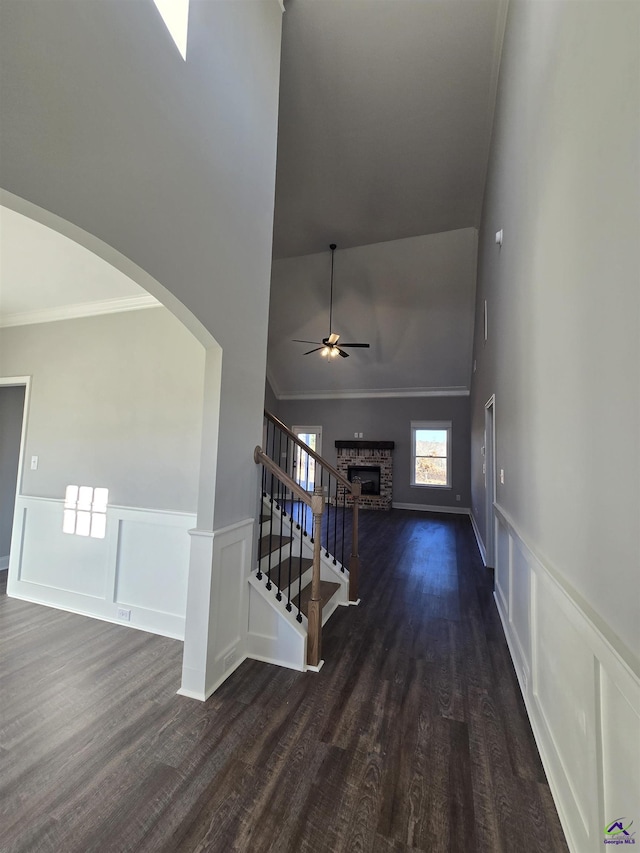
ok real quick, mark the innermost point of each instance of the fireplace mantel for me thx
(365, 445)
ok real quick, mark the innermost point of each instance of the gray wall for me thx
(389, 419)
(11, 412)
(564, 301)
(170, 163)
(116, 401)
(271, 403)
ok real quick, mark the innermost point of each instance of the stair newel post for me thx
(354, 561)
(314, 618)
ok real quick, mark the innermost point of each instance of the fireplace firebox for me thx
(368, 475)
(370, 462)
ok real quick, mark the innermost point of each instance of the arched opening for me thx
(124, 400)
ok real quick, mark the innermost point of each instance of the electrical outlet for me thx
(34, 463)
(502, 476)
(360, 435)
(124, 614)
(355, 435)
(457, 497)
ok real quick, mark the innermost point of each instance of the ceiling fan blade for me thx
(355, 345)
(297, 341)
(313, 350)
(332, 339)
(343, 354)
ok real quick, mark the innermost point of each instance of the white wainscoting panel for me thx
(502, 566)
(141, 565)
(51, 559)
(229, 610)
(620, 715)
(582, 696)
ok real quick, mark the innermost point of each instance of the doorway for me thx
(490, 478)
(304, 465)
(13, 404)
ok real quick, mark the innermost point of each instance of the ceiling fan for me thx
(329, 345)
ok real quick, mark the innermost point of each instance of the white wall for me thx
(562, 357)
(171, 165)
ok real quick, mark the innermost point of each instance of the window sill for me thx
(428, 486)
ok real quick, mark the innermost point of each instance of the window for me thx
(85, 511)
(431, 454)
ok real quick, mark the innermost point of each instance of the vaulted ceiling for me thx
(386, 110)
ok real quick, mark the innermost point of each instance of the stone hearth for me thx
(374, 454)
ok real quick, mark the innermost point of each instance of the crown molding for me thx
(452, 391)
(82, 309)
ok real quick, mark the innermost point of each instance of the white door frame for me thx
(490, 478)
(315, 430)
(21, 382)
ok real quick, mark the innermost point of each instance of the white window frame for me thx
(435, 425)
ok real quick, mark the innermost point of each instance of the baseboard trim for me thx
(275, 661)
(479, 542)
(212, 689)
(88, 615)
(455, 510)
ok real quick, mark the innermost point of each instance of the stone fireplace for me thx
(371, 462)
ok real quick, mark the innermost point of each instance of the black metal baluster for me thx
(279, 547)
(344, 512)
(270, 536)
(328, 516)
(285, 467)
(299, 615)
(260, 514)
(335, 526)
(304, 506)
(290, 555)
(277, 461)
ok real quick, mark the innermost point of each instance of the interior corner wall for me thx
(561, 357)
(389, 419)
(11, 414)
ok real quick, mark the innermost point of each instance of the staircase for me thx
(300, 576)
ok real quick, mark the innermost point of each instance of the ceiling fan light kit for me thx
(329, 346)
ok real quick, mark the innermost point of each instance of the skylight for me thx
(175, 14)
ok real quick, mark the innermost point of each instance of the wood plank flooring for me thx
(413, 737)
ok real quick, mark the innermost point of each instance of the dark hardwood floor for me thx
(413, 737)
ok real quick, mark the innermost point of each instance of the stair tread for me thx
(272, 543)
(327, 590)
(298, 567)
